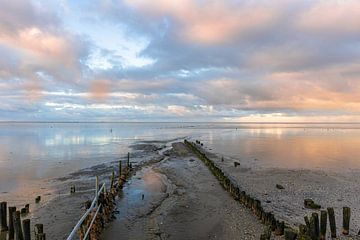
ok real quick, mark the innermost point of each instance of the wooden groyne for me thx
(313, 229)
(15, 224)
(101, 210)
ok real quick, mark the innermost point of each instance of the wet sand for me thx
(182, 200)
(59, 210)
(329, 189)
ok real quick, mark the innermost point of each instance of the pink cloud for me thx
(331, 17)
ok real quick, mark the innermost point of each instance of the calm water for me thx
(38, 151)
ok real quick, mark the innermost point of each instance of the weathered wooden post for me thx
(26, 229)
(39, 232)
(128, 160)
(119, 169)
(332, 222)
(3, 217)
(112, 180)
(11, 222)
(323, 224)
(96, 188)
(346, 220)
(17, 226)
(314, 226)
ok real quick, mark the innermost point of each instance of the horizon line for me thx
(247, 122)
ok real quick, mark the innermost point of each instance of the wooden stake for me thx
(332, 222)
(17, 226)
(323, 224)
(346, 220)
(315, 229)
(96, 188)
(119, 169)
(26, 229)
(11, 222)
(128, 160)
(3, 217)
(112, 180)
(38, 229)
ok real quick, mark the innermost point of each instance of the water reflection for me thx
(291, 147)
(38, 151)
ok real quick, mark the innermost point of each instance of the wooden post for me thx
(323, 224)
(128, 160)
(11, 222)
(39, 232)
(119, 169)
(26, 229)
(346, 220)
(332, 222)
(3, 217)
(17, 226)
(96, 188)
(112, 180)
(315, 227)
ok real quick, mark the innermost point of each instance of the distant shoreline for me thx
(136, 122)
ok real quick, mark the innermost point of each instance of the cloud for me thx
(36, 45)
(186, 59)
(335, 19)
(210, 22)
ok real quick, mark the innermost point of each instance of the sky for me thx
(180, 60)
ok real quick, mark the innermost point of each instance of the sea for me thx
(32, 153)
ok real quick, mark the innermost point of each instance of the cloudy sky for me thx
(180, 60)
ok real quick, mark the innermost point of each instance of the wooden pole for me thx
(96, 188)
(332, 222)
(316, 222)
(323, 224)
(3, 217)
(119, 169)
(26, 229)
(11, 222)
(346, 220)
(39, 232)
(17, 226)
(128, 160)
(112, 180)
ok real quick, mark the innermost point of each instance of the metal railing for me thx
(94, 205)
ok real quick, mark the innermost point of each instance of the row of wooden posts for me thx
(312, 230)
(315, 228)
(106, 201)
(14, 227)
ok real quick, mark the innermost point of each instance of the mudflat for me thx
(179, 198)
